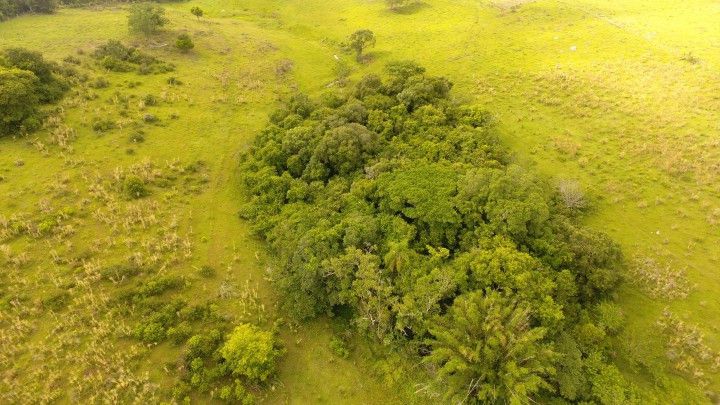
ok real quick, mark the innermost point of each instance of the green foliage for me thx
(197, 12)
(116, 57)
(146, 19)
(487, 350)
(359, 40)
(134, 187)
(19, 101)
(400, 205)
(50, 87)
(251, 352)
(184, 43)
(12, 8)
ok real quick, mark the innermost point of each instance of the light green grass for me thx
(588, 90)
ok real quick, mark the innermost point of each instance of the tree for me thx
(197, 12)
(184, 43)
(487, 350)
(18, 100)
(49, 87)
(146, 19)
(359, 40)
(250, 352)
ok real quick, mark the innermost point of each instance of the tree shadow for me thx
(411, 8)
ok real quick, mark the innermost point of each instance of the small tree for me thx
(184, 43)
(197, 12)
(146, 19)
(250, 352)
(359, 40)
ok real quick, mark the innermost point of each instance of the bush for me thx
(19, 101)
(197, 12)
(150, 100)
(103, 124)
(206, 271)
(137, 137)
(134, 187)
(146, 19)
(250, 352)
(184, 43)
(116, 57)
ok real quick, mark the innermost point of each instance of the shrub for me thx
(103, 124)
(197, 12)
(19, 101)
(206, 271)
(116, 57)
(150, 100)
(137, 137)
(150, 333)
(134, 187)
(100, 83)
(184, 43)
(146, 19)
(250, 352)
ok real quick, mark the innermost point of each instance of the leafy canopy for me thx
(397, 205)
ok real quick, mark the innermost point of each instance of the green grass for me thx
(589, 90)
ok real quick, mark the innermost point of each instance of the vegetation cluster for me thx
(398, 205)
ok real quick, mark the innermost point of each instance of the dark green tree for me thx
(487, 350)
(359, 40)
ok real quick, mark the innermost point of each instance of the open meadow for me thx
(616, 103)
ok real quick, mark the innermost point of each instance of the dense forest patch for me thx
(398, 205)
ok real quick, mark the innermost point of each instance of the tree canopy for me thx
(398, 204)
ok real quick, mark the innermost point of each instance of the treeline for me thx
(398, 206)
(13, 8)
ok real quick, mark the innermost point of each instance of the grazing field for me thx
(618, 99)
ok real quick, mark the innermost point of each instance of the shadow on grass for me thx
(411, 8)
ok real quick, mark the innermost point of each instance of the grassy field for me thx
(621, 97)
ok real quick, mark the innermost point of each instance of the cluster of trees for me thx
(232, 363)
(12, 8)
(27, 81)
(398, 205)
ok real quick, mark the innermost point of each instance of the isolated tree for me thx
(18, 99)
(487, 350)
(146, 19)
(359, 40)
(184, 43)
(197, 12)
